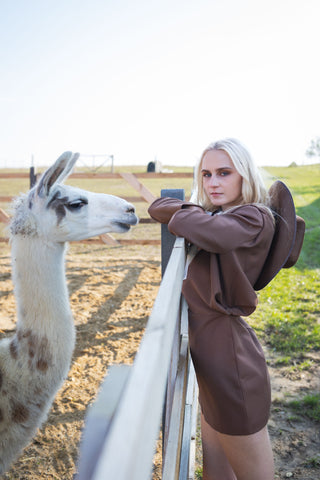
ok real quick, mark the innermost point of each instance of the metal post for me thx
(167, 239)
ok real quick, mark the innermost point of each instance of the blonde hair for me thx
(253, 188)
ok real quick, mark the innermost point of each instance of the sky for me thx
(158, 79)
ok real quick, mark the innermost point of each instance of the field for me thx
(112, 290)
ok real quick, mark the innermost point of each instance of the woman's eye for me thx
(224, 174)
(207, 175)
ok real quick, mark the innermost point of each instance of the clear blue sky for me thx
(142, 79)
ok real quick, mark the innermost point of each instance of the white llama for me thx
(35, 361)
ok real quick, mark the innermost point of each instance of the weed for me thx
(313, 462)
(308, 406)
(199, 473)
(293, 418)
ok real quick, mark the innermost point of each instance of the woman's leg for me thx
(236, 457)
(215, 463)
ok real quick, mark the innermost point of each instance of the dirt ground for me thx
(112, 290)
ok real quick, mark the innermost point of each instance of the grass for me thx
(308, 406)
(288, 316)
(313, 462)
(199, 473)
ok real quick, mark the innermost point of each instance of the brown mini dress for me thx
(234, 385)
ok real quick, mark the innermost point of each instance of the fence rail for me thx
(122, 426)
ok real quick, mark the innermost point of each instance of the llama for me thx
(36, 360)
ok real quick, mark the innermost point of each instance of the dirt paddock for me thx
(112, 290)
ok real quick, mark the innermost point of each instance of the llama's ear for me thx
(57, 172)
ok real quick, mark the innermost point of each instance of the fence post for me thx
(167, 239)
(167, 242)
(33, 177)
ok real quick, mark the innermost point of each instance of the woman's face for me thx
(221, 181)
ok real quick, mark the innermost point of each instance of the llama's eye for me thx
(77, 204)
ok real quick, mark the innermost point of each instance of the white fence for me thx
(123, 425)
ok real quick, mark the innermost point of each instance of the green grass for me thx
(199, 473)
(288, 312)
(288, 315)
(308, 406)
(313, 462)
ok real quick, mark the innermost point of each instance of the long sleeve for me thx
(162, 209)
(219, 233)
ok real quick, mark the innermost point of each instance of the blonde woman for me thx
(238, 247)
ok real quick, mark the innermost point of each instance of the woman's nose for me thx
(214, 180)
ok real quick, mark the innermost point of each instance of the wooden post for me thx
(134, 182)
(4, 217)
(33, 177)
(167, 239)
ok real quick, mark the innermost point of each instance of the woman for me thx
(233, 234)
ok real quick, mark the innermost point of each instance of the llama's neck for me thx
(40, 288)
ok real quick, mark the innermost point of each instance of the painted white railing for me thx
(123, 425)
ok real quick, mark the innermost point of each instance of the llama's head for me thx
(62, 213)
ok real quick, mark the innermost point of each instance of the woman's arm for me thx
(162, 209)
(222, 232)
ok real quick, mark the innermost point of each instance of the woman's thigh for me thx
(215, 463)
(250, 456)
